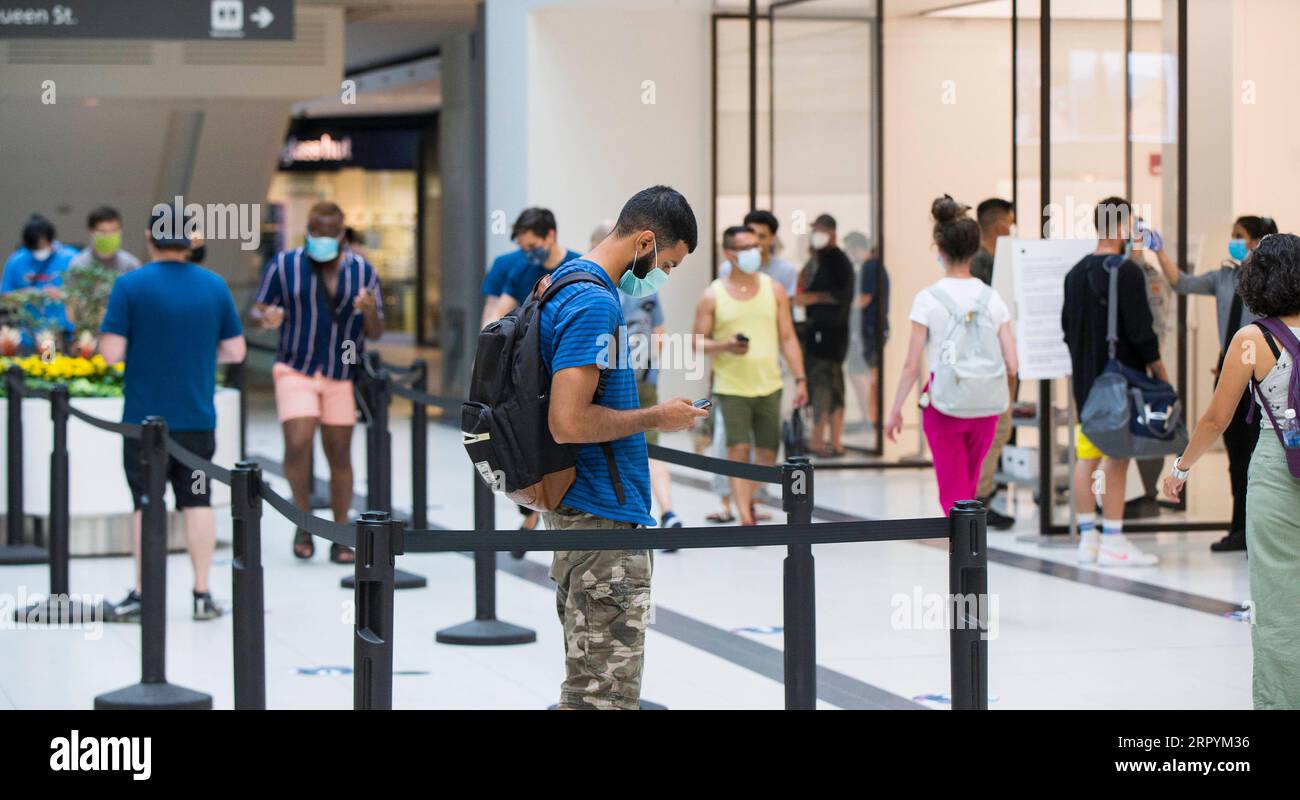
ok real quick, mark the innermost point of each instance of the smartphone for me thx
(705, 404)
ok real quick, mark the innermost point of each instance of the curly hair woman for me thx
(1270, 287)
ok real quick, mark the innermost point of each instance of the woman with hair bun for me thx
(964, 329)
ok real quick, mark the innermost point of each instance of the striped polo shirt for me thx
(578, 326)
(317, 328)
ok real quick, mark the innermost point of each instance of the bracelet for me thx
(1178, 472)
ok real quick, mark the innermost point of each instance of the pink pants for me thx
(958, 447)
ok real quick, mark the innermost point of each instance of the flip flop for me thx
(759, 516)
(303, 545)
(718, 518)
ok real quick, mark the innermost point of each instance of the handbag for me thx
(1129, 414)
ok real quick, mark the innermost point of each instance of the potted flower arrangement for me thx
(47, 360)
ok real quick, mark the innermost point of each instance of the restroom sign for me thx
(147, 19)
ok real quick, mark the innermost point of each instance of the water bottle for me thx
(1291, 430)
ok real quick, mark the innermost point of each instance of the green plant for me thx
(87, 287)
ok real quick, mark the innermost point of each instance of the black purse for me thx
(792, 436)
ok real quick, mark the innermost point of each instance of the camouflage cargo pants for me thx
(603, 599)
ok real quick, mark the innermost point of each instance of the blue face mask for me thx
(654, 280)
(537, 256)
(322, 249)
(749, 260)
(1237, 249)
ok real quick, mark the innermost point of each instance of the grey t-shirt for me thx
(121, 261)
(1222, 285)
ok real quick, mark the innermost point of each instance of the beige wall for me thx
(592, 140)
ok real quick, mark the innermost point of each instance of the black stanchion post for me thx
(58, 607)
(420, 450)
(237, 378)
(800, 590)
(15, 551)
(968, 586)
(153, 690)
(249, 615)
(379, 456)
(379, 542)
(485, 628)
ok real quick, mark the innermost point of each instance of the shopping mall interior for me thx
(433, 124)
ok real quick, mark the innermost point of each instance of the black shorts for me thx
(189, 487)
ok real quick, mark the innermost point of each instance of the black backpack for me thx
(504, 424)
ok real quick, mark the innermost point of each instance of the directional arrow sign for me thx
(217, 20)
(262, 16)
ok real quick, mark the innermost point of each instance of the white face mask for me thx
(820, 239)
(749, 260)
(43, 253)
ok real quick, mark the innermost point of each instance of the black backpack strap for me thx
(1268, 337)
(581, 276)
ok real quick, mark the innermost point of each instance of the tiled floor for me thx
(1059, 640)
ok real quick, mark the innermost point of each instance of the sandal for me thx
(759, 516)
(342, 555)
(721, 518)
(304, 547)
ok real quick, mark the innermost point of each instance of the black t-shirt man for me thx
(826, 334)
(1084, 321)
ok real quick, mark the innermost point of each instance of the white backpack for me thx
(970, 379)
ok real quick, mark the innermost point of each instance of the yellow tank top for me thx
(758, 372)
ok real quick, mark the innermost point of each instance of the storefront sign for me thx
(147, 19)
(325, 149)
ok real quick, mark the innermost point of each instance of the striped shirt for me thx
(578, 326)
(319, 333)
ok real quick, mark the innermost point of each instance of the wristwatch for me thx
(1180, 474)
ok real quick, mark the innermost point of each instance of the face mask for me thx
(1012, 232)
(820, 239)
(43, 253)
(749, 260)
(106, 244)
(322, 249)
(653, 281)
(537, 256)
(199, 253)
(939, 260)
(1237, 249)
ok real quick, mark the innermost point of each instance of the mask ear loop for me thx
(636, 257)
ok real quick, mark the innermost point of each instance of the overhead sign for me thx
(147, 19)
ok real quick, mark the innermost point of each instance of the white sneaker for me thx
(1117, 551)
(1088, 544)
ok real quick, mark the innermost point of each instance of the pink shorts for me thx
(298, 395)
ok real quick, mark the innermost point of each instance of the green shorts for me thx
(752, 420)
(648, 394)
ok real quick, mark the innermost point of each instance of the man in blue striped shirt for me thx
(603, 597)
(326, 301)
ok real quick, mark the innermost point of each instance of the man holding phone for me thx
(743, 321)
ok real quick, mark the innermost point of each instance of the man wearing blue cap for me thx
(172, 321)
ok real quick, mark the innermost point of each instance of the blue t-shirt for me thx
(173, 315)
(494, 283)
(641, 315)
(525, 276)
(23, 271)
(577, 327)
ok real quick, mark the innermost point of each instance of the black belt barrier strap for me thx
(196, 462)
(890, 530)
(126, 429)
(330, 531)
(720, 466)
(416, 396)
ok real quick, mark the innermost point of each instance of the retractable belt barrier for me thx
(379, 539)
